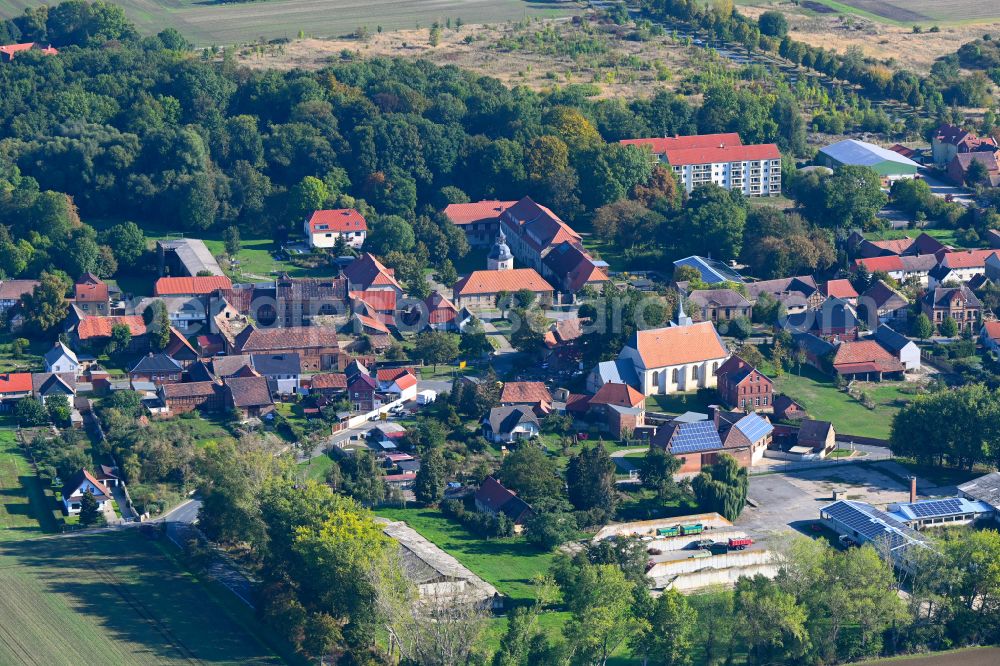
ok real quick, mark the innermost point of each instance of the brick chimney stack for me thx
(913, 489)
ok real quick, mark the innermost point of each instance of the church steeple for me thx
(682, 318)
(500, 257)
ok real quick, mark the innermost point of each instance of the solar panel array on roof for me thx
(933, 508)
(872, 524)
(753, 427)
(695, 437)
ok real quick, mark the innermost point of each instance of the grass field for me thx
(678, 403)
(23, 505)
(207, 22)
(819, 395)
(912, 11)
(508, 564)
(112, 598)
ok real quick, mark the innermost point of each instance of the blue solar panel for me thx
(695, 437)
(935, 508)
(872, 524)
(754, 427)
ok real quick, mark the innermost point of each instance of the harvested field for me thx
(920, 11)
(111, 598)
(841, 30)
(206, 22)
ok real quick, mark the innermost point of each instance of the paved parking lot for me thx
(791, 501)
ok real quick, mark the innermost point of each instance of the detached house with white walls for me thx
(325, 227)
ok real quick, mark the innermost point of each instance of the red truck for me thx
(740, 544)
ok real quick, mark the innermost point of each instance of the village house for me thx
(786, 409)
(479, 290)
(325, 227)
(282, 371)
(958, 168)
(48, 386)
(401, 383)
(905, 350)
(618, 408)
(951, 140)
(442, 315)
(90, 294)
(187, 396)
(532, 231)
(528, 394)
(720, 304)
(186, 313)
(743, 387)
(199, 285)
(754, 170)
(835, 320)
(922, 244)
(362, 391)
(709, 270)
(76, 486)
(8, 52)
(797, 294)
(493, 499)
(676, 358)
(186, 257)
(819, 436)
(156, 368)
(958, 303)
(12, 291)
(179, 349)
(366, 273)
(741, 431)
(13, 387)
(884, 304)
(960, 265)
(695, 444)
(318, 347)
(866, 360)
(842, 289)
(298, 300)
(818, 352)
(989, 336)
(901, 268)
(479, 220)
(511, 423)
(94, 332)
(250, 396)
(61, 359)
(570, 268)
(328, 384)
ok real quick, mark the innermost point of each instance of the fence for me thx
(818, 464)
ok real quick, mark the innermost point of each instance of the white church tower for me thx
(500, 258)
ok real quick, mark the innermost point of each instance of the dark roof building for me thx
(493, 498)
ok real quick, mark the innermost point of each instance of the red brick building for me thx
(743, 387)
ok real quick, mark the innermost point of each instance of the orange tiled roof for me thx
(621, 395)
(100, 327)
(478, 211)
(491, 282)
(525, 393)
(15, 382)
(675, 345)
(338, 219)
(180, 286)
(839, 289)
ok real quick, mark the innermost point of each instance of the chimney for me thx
(913, 489)
(713, 415)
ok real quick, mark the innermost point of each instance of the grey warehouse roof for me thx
(861, 153)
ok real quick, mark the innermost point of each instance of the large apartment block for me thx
(721, 159)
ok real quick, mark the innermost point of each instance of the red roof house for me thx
(191, 286)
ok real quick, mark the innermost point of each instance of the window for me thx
(656, 378)
(694, 372)
(715, 368)
(677, 376)
(756, 401)
(765, 401)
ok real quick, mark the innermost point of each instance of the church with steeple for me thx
(500, 257)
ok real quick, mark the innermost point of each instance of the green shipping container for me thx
(668, 531)
(692, 529)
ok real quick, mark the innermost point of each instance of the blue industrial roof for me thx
(712, 271)
(618, 372)
(861, 153)
(871, 524)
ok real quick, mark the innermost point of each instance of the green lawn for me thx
(822, 400)
(508, 564)
(24, 508)
(678, 403)
(946, 236)
(316, 468)
(115, 598)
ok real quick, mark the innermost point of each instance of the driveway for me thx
(942, 188)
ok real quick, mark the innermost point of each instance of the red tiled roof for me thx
(493, 495)
(764, 151)
(676, 345)
(621, 395)
(662, 145)
(536, 225)
(887, 264)
(965, 258)
(383, 300)
(439, 309)
(189, 390)
(90, 289)
(839, 289)
(339, 220)
(10, 50)
(15, 382)
(406, 381)
(100, 327)
(492, 282)
(13, 290)
(290, 338)
(371, 323)
(181, 286)
(366, 271)
(391, 374)
(895, 245)
(903, 150)
(479, 211)
(329, 380)
(853, 356)
(525, 393)
(992, 330)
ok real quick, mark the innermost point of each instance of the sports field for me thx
(112, 598)
(207, 22)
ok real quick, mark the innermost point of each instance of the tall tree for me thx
(531, 473)
(669, 639)
(590, 479)
(430, 481)
(89, 511)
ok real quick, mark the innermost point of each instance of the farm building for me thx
(940, 512)
(851, 152)
(863, 523)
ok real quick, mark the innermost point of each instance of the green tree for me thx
(231, 240)
(127, 242)
(474, 342)
(922, 327)
(550, 529)
(308, 195)
(89, 512)
(531, 474)
(948, 328)
(46, 306)
(590, 479)
(772, 625)
(121, 338)
(437, 347)
(657, 472)
(391, 233)
(773, 24)
(714, 220)
(669, 638)
(30, 412)
(722, 487)
(430, 481)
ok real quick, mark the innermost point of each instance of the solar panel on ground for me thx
(754, 427)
